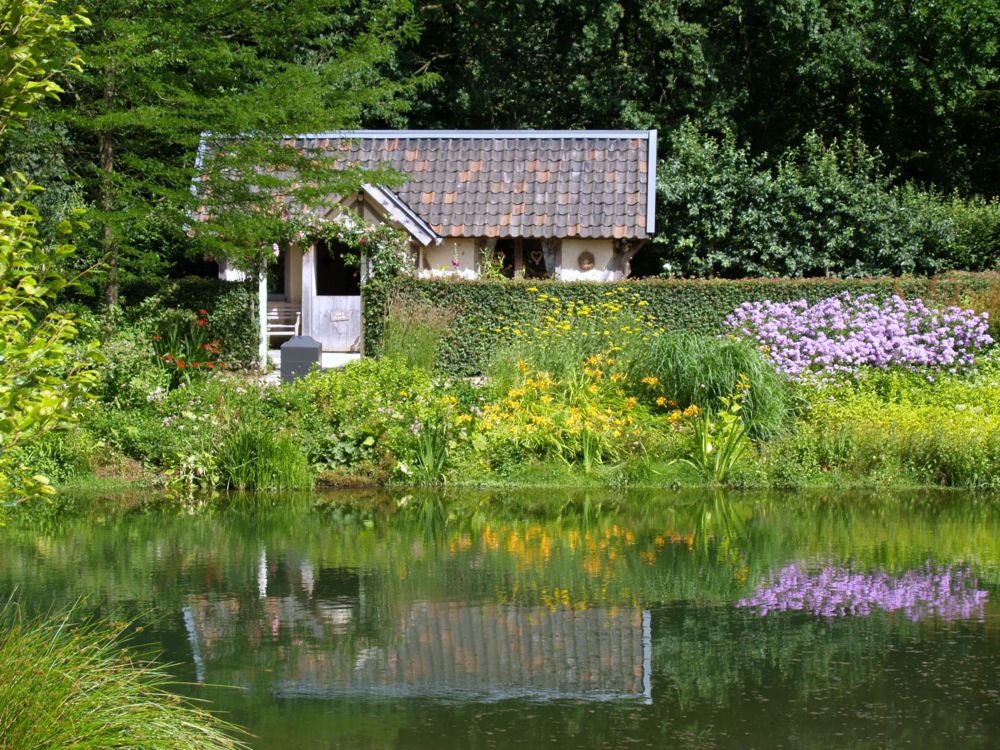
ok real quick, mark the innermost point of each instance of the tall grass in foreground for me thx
(74, 688)
(414, 331)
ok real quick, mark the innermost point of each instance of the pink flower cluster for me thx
(838, 335)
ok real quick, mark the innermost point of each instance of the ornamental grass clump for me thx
(75, 688)
(688, 369)
(838, 336)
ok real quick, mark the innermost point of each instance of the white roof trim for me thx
(401, 213)
(651, 186)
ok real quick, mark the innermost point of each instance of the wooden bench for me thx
(283, 319)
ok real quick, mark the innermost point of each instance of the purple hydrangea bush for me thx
(837, 336)
(932, 591)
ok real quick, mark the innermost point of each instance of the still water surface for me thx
(575, 620)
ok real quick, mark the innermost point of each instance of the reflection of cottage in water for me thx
(496, 651)
(304, 641)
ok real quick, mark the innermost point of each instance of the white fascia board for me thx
(651, 185)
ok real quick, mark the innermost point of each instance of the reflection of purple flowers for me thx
(840, 334)
(945, 592)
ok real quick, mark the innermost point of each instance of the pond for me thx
(585, 620)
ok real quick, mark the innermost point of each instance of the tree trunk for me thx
(106, 164)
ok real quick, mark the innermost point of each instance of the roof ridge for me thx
(478, 134)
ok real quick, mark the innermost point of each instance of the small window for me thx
(527, 257)
(335, 275)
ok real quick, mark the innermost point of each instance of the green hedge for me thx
(685, 304)
(231, 306)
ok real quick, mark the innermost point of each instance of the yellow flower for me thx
(650, 380)
(661, 401)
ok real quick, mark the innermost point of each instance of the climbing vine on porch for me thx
(386, 248)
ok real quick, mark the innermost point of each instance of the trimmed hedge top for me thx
(699, 305)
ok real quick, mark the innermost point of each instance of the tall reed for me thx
(253, 457)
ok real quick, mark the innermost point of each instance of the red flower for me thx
(168, 357)
(156, 337)
(180, 364)
(210, 365)
(203, 313)
(222, 365)
(201, 322)
(195, 365)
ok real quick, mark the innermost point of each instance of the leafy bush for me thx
(68, 686)
(819, 209)
(230, 306)
(378, 413)
(944, 433)
(839, 335)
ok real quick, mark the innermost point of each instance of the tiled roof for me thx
(587, 184)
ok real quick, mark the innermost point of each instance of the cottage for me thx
(567, 205)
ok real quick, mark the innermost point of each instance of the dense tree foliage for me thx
(796, 137)
(161, 73)
(916, 80)
(788, 129)
(42, 372)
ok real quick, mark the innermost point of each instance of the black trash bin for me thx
(298, 355)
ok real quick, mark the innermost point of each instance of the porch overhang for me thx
(398, 211)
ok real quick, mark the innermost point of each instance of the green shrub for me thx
(59, 455)
(75, 687)
(368, 414)
(950, 444)
(130, 373)
(230, 307)
(818, 209)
